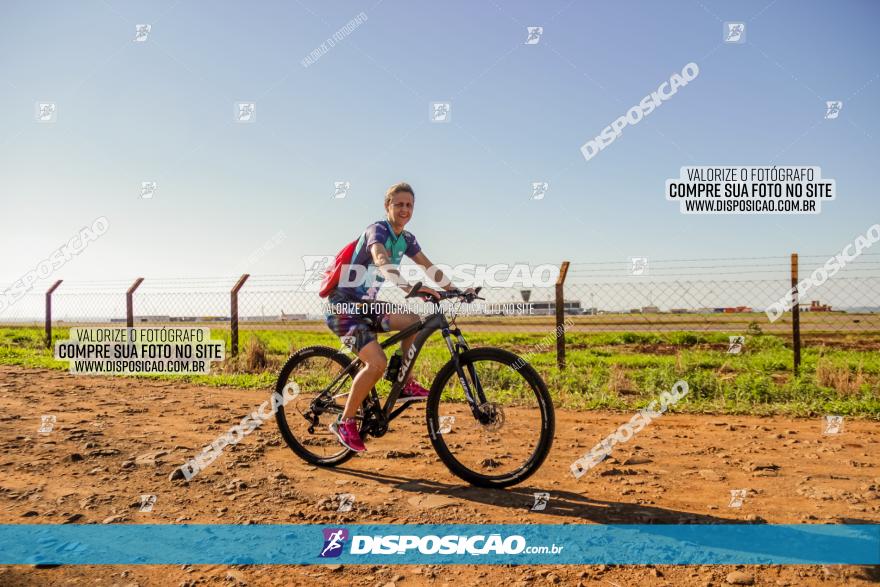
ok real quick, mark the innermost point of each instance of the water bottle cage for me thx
(393, 367)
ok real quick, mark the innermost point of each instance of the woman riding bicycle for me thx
(356, 317)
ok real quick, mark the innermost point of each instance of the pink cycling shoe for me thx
(347, 434)
(412, 391)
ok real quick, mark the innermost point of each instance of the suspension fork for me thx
(474, 394)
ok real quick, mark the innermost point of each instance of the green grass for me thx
(622, 371)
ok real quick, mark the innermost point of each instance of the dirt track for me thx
(131, 433)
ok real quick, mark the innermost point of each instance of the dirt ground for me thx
(118, 438)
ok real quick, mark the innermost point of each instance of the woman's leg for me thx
(374, 367)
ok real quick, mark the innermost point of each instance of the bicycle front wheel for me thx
(505, 438)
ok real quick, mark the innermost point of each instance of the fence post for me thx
(795, 315)
(49, 312)
(233, 318)
(560, 316)
(129, 305)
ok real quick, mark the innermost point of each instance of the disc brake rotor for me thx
(491, 416)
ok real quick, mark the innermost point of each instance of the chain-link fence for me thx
(637, 295)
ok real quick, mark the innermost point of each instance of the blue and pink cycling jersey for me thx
(357, 327)
(367, 288)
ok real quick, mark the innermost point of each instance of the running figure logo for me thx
(47, 423)
(639, 265)
(47, 112)
(334, 541)
(735, 346)
(737, 497)
(541, 501)
(832, 109)
(441, 112)
(539, 189)
(341, 189)
(245, 111)
(141, 32)
(148, 189)
(734, 32)
(535, 33)
(315, 266)
(833, 425)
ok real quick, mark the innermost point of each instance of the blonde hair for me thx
(398, 188)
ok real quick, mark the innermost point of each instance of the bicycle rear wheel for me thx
(305, 431)
(509, 437)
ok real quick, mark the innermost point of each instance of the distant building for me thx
(549, 308)
(154, 318)
(650, 310)
(292, 317)
(815, 306)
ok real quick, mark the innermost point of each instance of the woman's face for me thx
(400, 208)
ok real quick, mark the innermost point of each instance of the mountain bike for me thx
(489, 415)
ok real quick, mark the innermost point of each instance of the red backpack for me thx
(334, 271)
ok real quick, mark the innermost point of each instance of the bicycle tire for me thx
(547, 414)
(280, 417)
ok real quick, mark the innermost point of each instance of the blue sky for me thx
(162, 111)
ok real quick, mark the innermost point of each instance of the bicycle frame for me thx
(376, 416)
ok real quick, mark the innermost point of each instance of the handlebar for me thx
(444, 295)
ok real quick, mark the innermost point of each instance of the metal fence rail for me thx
(695, 295)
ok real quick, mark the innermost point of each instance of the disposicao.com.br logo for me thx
(455, 544)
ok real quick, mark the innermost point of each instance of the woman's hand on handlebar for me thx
(426, 293)
(468, 295)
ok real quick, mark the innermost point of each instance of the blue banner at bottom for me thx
(522, 544)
